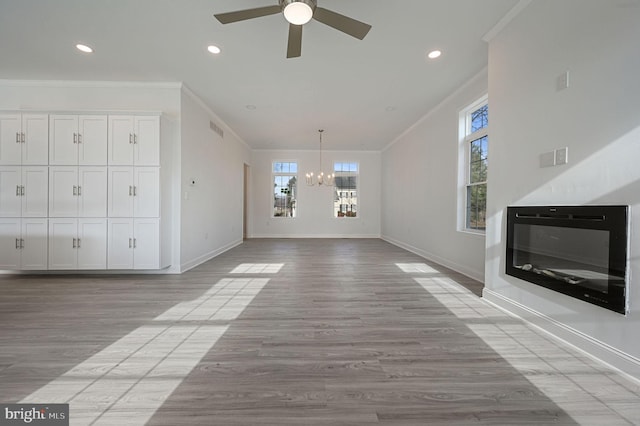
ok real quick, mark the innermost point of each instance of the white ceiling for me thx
(363, 93)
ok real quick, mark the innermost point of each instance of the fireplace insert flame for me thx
(580, 251)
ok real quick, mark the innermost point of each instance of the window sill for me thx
(473, 232)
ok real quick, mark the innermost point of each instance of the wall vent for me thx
(216, 129)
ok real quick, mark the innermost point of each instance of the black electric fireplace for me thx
(580, 251)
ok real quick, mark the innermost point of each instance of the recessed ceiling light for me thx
(434, 54)
(213, 49)
(84, 48)
(251, 107)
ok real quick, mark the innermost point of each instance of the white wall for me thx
(211, 209)
(315, 204)
(420, 187)
(598, 119)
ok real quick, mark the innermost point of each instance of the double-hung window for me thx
(285, 179)
(345, 200)
(474, 151)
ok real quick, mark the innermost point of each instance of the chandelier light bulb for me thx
(298, 13)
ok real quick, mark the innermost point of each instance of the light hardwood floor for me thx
(294, 332)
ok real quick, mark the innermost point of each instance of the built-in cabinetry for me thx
(24, 139)
(23, 243)
(81, 191)
(77, 243)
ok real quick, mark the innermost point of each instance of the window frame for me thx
(275, 174)
(336, 191)
(466, 138)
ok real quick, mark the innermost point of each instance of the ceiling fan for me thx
(298, 13)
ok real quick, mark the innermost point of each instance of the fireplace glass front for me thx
(578, 251)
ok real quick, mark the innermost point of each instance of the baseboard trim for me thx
(184, 267)
(437, 259)
(602, 352)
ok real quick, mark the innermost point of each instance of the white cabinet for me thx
(77, 243)
(134, 192)
(134, 244)
(23, 191)
(23, 243)
(134, 140)
(78, 140)
(24, 139)
(77, 191)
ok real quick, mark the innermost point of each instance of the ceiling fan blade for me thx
(342, 23)
(294, 47)
(242, 15)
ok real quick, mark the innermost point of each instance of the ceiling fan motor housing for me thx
(298, 12)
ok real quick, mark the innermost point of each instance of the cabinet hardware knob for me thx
(75, 190)
(23, 138)
(17, 243)
(79, 138)
(130, 191)
(79, 190)
(22, 190)
(134, 242)
(75, 138)
(21, 243)
(130, 138)
(135, 192)
(129, 242)
(78, 242)
(17, 137)
(74, 243)
(17, 190)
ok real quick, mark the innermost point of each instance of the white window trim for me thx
(273, 176)
(464, 153)
(358, 192)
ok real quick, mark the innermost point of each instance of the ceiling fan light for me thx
(298, 13)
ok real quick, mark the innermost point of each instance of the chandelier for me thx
(320, 179)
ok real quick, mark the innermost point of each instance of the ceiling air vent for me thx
(216, 129)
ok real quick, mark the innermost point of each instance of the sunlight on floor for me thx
(224, 301)
(258, 268)
(133, 376)
(125, 383)
(569, 378)
(411, 268)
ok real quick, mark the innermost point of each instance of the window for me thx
(345, 202)
(474, 152)
(285, 179)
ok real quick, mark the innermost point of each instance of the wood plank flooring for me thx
(294, 332)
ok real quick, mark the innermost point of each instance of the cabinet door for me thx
(35, 149)
(146, 253)
(10, 137)
(120, 244)
(92, 244)
(63, 191)
(146, 200)
(120, 140)
(92, 146)
(35, 180)
(10, 198)
(146, 147)
(92, 191)
(63, 243)
(63, 145)
(34, 250)
(10, 243)
(120, 198)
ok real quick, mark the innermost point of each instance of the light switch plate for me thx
(562, 156)
(548, 159)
